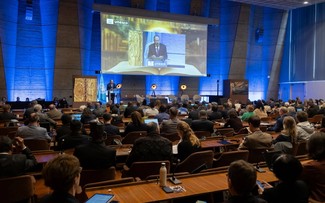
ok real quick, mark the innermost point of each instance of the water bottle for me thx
(163, 174)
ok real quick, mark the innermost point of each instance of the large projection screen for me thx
(143, 46)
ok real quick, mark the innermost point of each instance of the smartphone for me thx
(259, 183)
(100, 198)
(167, 189)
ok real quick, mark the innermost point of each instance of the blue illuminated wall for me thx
(32, 46)
(28, 39)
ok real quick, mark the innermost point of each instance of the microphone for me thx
(173, 179)
(61, 146)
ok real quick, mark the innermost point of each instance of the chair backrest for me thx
(143, 169)
(96, 175)
(35, 145)
(285, 147)
(173, 137)
(228, 132)
(316, 119)
(113, 139)
(299, 148)
(196, 161)
(132, 136)
(226, 158)
(256, 155)
(6, 130)
(242, 131)
(17, 189)
(202, 134)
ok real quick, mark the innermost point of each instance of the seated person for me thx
(194, 113)
(62, 175)
(215, 113)
(136, 124)
(33, 131)
(151, 111)
(65, 128)
(6, 114)
(189, 142)
(42, 116)
(53, 112)
(233, 121)
(75, 138)
(153, 147)
(256, 139)
(287, 169)
(87, 116)
(241, 183)
(279, 121)
(289, 132)
(96, 155)
(169, 126)
(203, 124)
(162, 115)
(249, 113)
(314, 171)
(108, 127)
(304, 128)
(15, 164)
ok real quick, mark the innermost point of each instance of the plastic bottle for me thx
(163, 174)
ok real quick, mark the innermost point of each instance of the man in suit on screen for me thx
(157, 50)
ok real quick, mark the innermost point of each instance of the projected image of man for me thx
(157, 50)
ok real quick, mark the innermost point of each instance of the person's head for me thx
(51, 106)
(186, 133)
(241, 177)
(283, 110)
(75, 126)
(107, 117)
(250, 108)
(316, 146)
(232, 113)
(156, 39)
(203, 114)
(87, 112)
(152, 104)
(111, 81)
(37, 108)
(33, 103)
(5, 144)
(302, 116)
(152, 128)
(287, 168)
(173, 111)
(259, 105)
(97, 131)
(289, 127)
(6, 108)
(254, 121)
(214, 108)
(34, 118)
(66, 119)
(62, 174)
(162, 108)
(136, 118)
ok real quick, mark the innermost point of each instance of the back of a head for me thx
(152, 128)
(162, 108)
(287, 168)
(302, 116)
(107, 116)
(255, 121)
(97, 131)
(316, 146)
(51, 106)
(152, 104)
(5, 144)
(242, 176)
(203, 114)
(6, 108)
(284, 110)
(38, 107)
(250, 108)
(136, 118)
(289, 122)
(66, 119)
(173, 111)
(59, 173)
(232, 113)
(75, 126)
(33, 118)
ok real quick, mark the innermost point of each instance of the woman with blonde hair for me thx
(189, 142)
(289, 132)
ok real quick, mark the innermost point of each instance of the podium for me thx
(116, 93)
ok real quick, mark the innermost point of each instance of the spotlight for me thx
(153, 86)
(183, 87)
(119, 86)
